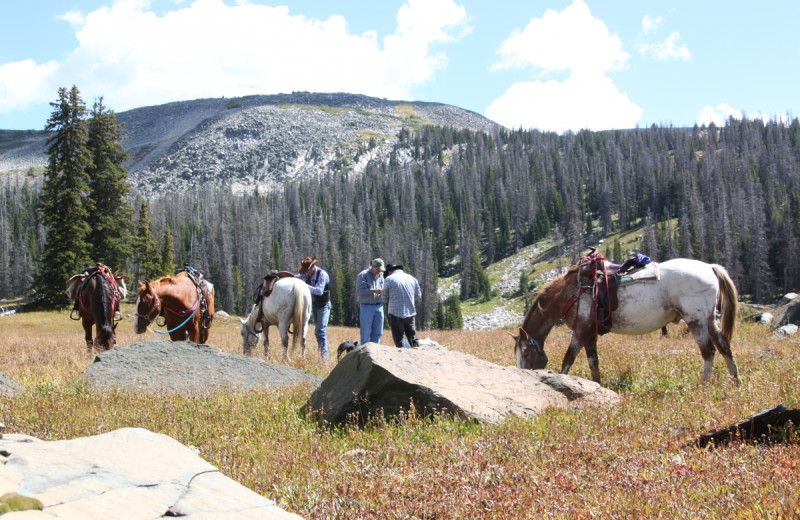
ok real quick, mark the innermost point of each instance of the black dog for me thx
(344, 348)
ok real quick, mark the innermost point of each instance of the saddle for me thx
(604, 277)
(203, 286)
(264, 289)
(78, 282)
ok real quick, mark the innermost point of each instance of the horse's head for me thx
(529, 352)
(251, 333)
(148, 307)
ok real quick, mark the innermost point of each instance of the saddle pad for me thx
(648, 274)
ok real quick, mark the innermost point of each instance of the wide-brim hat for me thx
(392, 267)
(306, 264)
(378, 264)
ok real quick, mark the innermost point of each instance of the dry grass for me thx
(626, 462)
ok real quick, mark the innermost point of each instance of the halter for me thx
(154, 312)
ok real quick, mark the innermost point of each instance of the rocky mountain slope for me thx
(259, 141)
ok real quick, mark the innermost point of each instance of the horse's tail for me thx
(105, 324)
(727, 301)
(298, 314)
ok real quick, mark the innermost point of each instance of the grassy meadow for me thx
(625, 462)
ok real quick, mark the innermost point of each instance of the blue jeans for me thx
(320, 315)
(370, 317)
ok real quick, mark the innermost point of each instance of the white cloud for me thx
(717, 115)
(23, 83)
(566, 40)
(574, 41)
(135, 57)
(650, 24)
(721, 113)
(584, 100)
(668, 49)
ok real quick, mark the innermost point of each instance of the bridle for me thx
(154, 311)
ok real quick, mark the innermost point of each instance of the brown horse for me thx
(97, 293)
(687, 289)
(184, 301)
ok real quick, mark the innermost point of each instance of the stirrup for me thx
(72, 313)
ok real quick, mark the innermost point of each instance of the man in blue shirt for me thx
(402, 292)
(369, 286)
(319, 283)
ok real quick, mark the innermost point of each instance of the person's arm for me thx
(362, 285)
(319, 286)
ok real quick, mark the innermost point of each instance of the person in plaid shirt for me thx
(402, 292)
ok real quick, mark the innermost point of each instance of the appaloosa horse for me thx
(185, 301)
(289, 302)
(686, 289)
(97, 293)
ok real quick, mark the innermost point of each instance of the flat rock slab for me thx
(182, 366)
(129, 473)
(375, 379)
(9, 387)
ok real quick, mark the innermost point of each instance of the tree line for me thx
(728, 195)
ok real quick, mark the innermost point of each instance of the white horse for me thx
(687, 289)
(289, 303)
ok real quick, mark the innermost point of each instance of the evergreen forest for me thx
(727, 195)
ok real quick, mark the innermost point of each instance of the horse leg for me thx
(283, 328)
(701, 335)
(572, 352)
(265, 326)
(591, 356)
(87, 330)
(724, 348)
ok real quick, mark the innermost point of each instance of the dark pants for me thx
(402, 326)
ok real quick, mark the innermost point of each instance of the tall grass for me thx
(624, 462)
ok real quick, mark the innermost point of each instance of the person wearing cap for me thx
(369, 286)
(402, 292)
(319, 283)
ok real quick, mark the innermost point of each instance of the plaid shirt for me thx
(402, 291)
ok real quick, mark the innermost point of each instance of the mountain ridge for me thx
(259, 141)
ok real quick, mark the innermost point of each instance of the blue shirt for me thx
(402, 291)
(316, 282)
(366, 282)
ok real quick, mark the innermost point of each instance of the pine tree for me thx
(167, 253)
(110, 215)
(147, 260)
(63, 204)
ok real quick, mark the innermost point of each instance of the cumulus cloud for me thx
(649, 24)
(135, 57)
(719, 114)
(572, 40)
(584, 100)
(669, 49)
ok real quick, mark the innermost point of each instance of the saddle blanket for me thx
(647, 274)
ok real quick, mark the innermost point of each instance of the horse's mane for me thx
(547, 292)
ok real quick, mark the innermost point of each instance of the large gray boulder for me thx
(375, 379)
(787, 314)
(129, 473)
(182, 366)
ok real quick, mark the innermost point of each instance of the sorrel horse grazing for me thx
(686, 289)
(97, 293)
(185, 301)
(289, 303)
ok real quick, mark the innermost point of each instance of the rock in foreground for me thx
(129, 473)
(376, 378)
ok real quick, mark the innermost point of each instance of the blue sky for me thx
(548, 64)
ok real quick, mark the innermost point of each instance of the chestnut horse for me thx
(97, 293)
(186, 304)
(687, 289)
